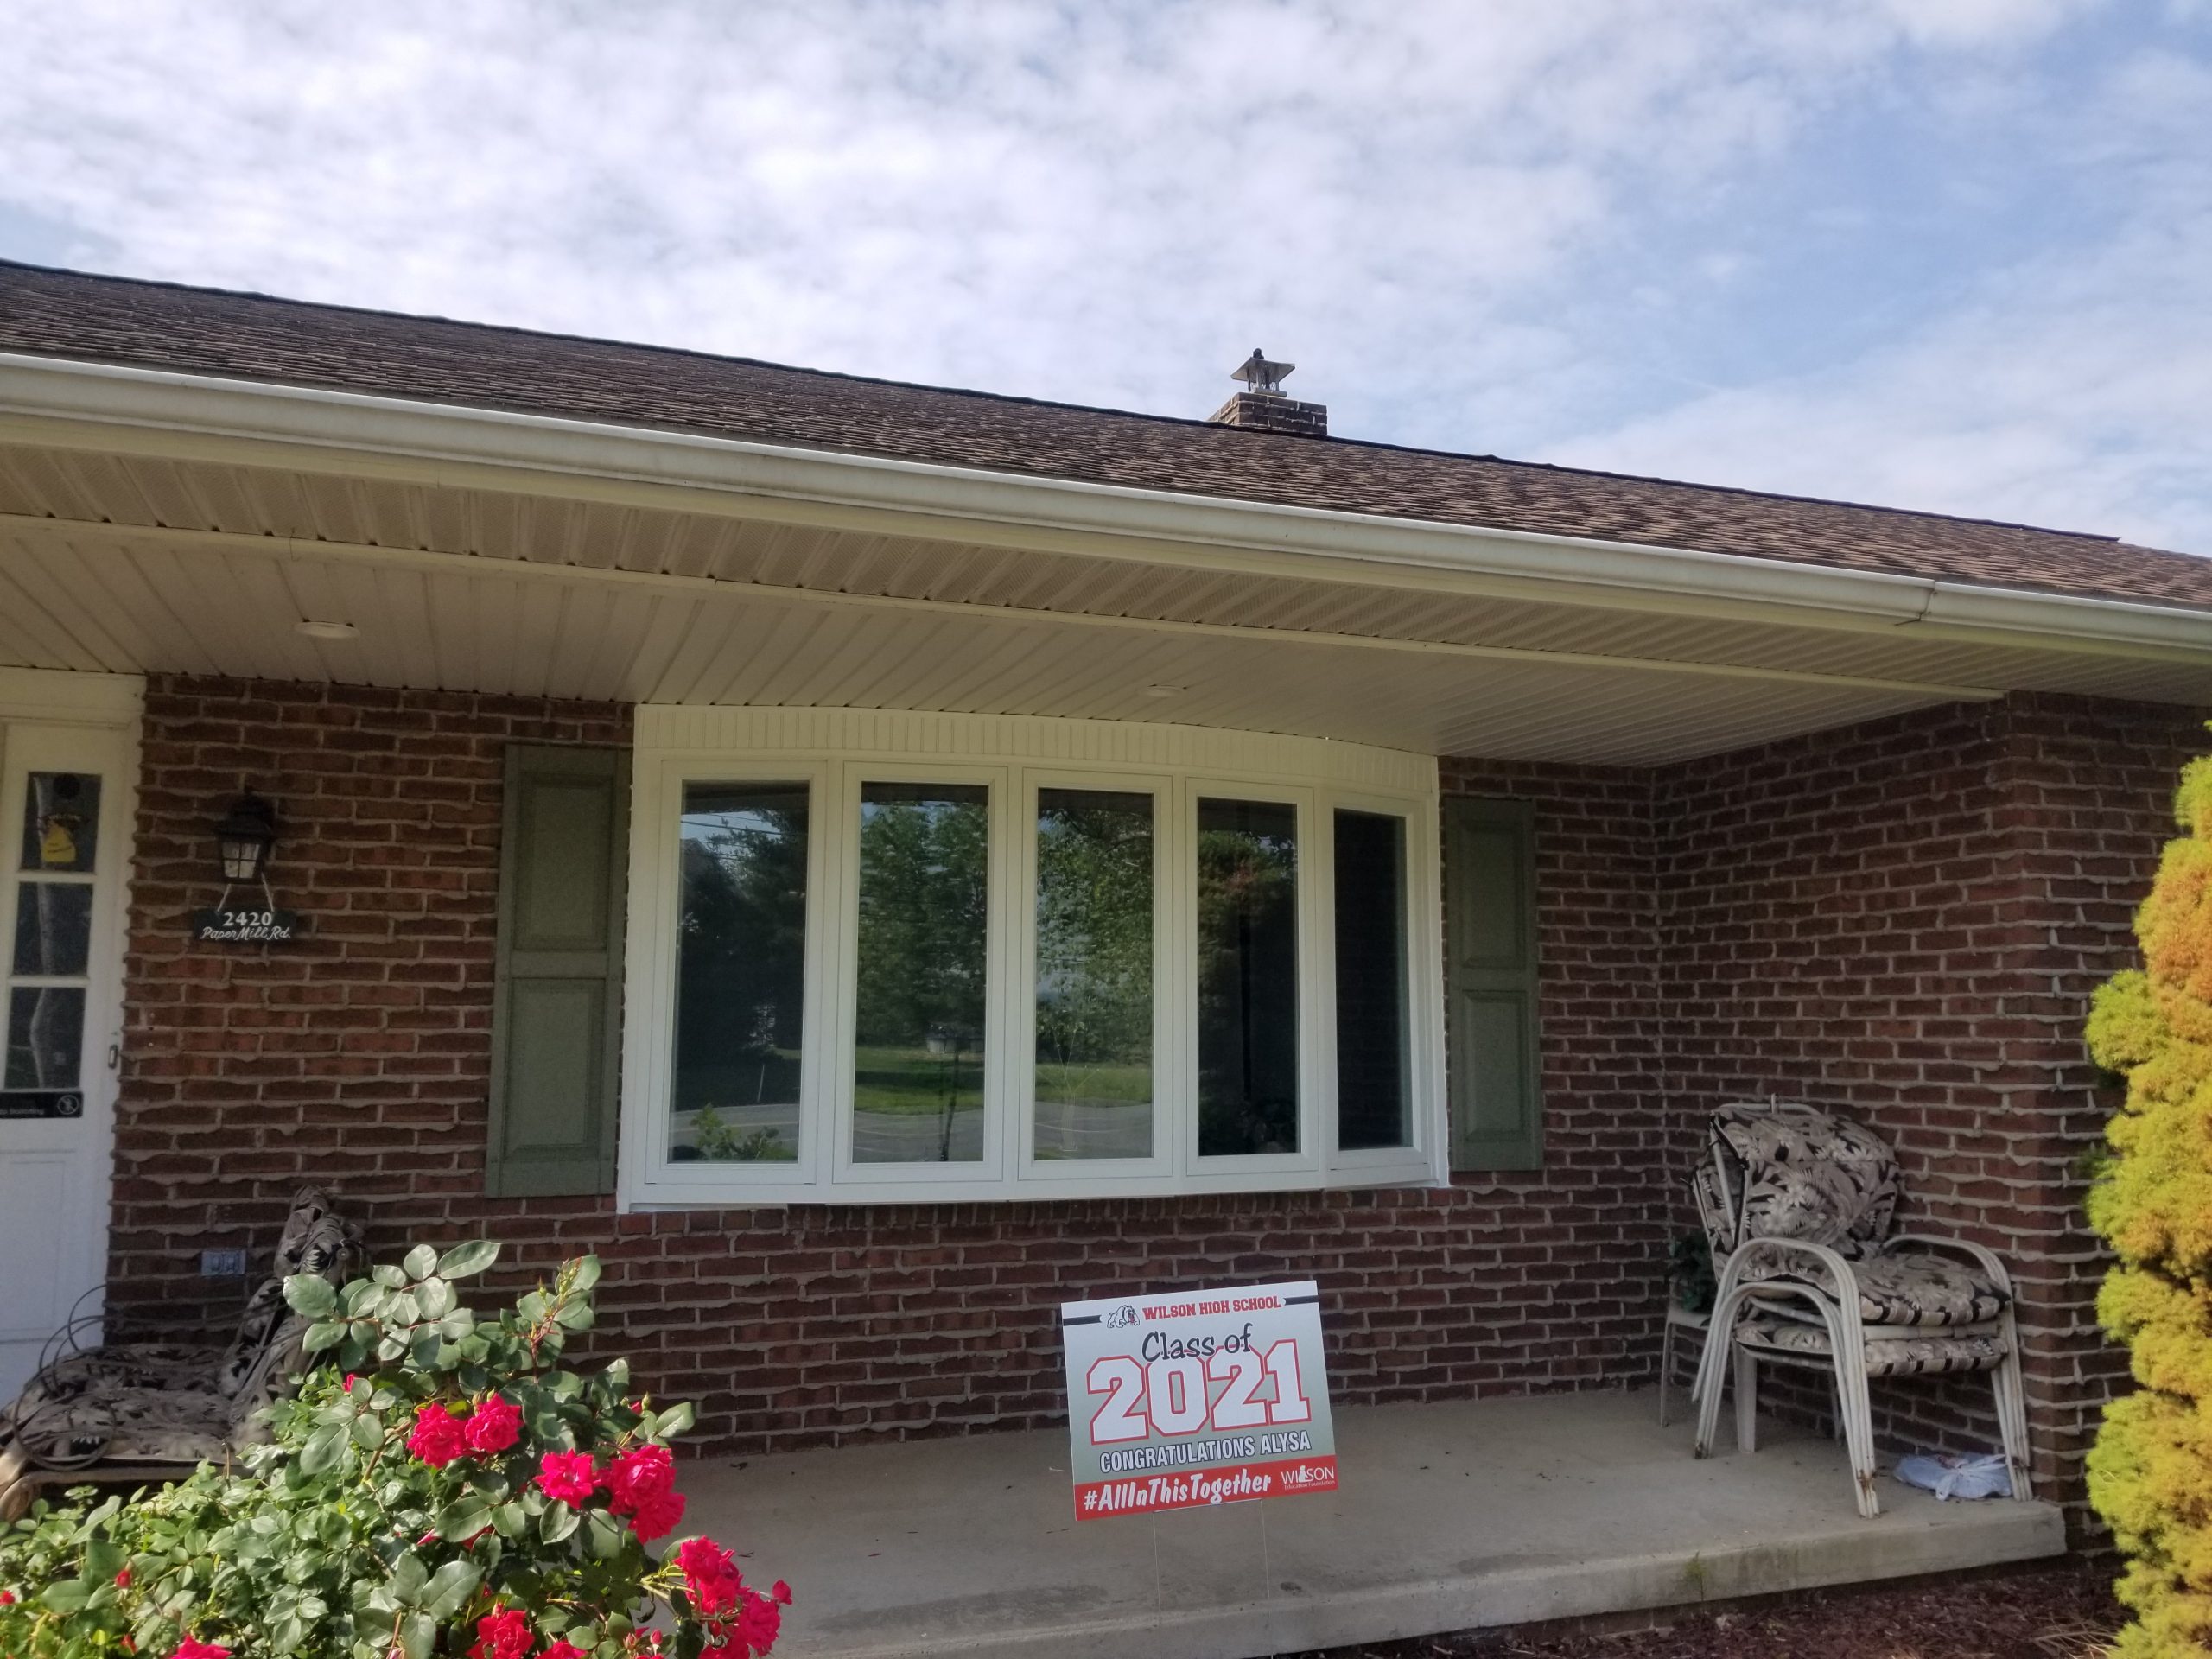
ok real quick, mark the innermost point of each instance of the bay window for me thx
(921, 957)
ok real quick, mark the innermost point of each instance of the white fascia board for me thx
(973, 504)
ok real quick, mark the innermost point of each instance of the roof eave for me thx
(52, 400)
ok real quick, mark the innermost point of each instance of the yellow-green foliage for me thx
(2151, 1473)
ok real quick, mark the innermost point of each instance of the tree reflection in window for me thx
(740, 973)
(919, 1065)
(1248, 978)
(1094, 973)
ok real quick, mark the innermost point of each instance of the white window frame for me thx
(833, 752)
(1166, 985)
(989, 1169)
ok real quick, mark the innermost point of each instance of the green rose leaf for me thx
(559, 1522)
(586, 1274)
(604, 1535)
(450, 1586)
(420, 1262)
(464, 1259)
(408, 1575)
(418, 1634)
(310, 1296)
(67, 1596)
(367, 1431)
(321, 1453)
(327, 1334)
(465, 1517)
(676, 1420)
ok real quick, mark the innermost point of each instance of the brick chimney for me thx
(1262, 406)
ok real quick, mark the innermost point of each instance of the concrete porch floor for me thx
(1448, 1517)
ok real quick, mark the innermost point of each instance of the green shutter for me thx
(1490, 941)
(556, 1011)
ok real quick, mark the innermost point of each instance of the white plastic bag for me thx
(1949, 1476)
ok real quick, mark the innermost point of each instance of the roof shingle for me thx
(203, 331)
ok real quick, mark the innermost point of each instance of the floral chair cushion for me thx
(1800, 1173)
(1784, 1170)
(1929, 1355)
(317, 1240)
(174, 1403)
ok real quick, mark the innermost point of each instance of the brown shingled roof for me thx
(204, 331)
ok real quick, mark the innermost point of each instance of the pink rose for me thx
(567, 1477)
(642, 1472)
(438, 1437)
(656, 1515)
(504, 1634)
(494, 1426)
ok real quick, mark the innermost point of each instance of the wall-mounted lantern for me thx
(245, 835)
(243, 839)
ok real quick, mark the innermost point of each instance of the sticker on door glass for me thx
(61, 814)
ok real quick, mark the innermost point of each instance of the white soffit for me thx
(98, 599)
(353, 516)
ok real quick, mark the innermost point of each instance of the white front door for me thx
(66, 811)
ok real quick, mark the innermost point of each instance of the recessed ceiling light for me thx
(327, 630)
(1165, 691)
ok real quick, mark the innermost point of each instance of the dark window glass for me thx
(1248, 978)
(45, 1037)
(1373, 1053)
(53, 927)
(1094, 973)
(925, 880)
(740, 973)
(62, 820)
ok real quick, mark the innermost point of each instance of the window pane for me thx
(62, 820)
(1094, 973)
(53, 927)
(1374, 1059)
(740, 973)
(45, 1037)
(917, 1081)
(1248, 978)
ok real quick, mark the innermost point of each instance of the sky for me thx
(1945, 254)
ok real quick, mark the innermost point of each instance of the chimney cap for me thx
(1260, 375)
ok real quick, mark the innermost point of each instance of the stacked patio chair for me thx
(1796, 1205)
(157, 1411)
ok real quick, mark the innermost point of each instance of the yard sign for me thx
(1209, 1397)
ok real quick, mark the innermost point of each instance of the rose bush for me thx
(444, 1487)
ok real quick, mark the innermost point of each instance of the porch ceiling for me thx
(121, 552)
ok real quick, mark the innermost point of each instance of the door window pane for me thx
(1374, 1057)
(53, 927)
(925, 867)
(45, 1037)
(1248, 977)
(62, 820)
(740, 973)
(1094, 973)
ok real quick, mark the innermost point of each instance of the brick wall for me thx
(359, 1058)
(1907, 919)
(1905, 916)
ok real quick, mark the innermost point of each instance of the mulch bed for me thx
(2058, 1612)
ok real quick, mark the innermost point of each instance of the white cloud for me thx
(2072, 388)
(1426, 203)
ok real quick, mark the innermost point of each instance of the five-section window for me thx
(868, 970)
